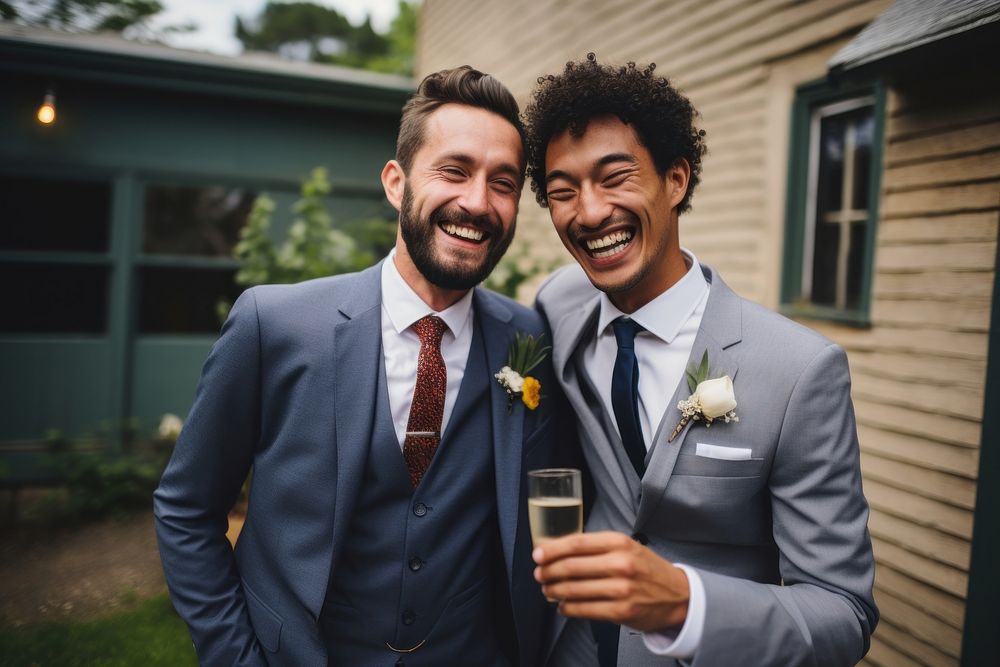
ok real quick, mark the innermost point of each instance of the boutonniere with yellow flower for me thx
(525, 353)
(710, 399)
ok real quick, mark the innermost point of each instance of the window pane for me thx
(39, 298)
(201, 221)
(180, 300)
(831, 164)
(862, 169)
(841, 207)
(41, 214)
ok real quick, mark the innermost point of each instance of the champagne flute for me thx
(555, 503)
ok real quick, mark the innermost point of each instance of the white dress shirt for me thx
(670, 323)
(401, 307)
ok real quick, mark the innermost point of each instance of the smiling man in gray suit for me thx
(386, 521)
(745, 543)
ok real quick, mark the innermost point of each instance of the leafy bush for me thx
(101, 483)
(313, 248)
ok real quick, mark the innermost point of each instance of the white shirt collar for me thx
(666, 314)
(404, 307)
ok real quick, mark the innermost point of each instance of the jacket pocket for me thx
(266, 623)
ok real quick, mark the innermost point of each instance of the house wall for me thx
(919, 370)
(133, 135)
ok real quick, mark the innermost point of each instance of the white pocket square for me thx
(723, 453)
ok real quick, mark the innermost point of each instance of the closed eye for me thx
(453, 172)
(505, 185)
(617, 177)
(560, 194)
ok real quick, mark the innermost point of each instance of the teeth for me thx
(609, 240)
(464, 232)
(608, 253)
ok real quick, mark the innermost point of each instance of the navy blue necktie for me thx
(625, 393)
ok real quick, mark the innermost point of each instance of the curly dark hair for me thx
(661, 116)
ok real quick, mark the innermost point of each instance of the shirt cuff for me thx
(685, 643)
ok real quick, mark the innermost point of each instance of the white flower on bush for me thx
(170, 426)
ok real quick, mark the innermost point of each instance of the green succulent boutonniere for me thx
(710, 399)
(525, 353)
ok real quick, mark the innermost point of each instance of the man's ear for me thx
(393, 182)
(677, 178)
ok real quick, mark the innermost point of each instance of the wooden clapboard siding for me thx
(919, 370)
(720, 53)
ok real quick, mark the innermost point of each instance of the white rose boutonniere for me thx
(710, 399)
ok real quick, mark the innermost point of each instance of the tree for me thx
(402, 40)
(131, 17)
(307, 31)
(280, 26)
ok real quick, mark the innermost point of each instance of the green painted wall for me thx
(134, 135)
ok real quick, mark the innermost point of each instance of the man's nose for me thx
(475, 198)
(593, 209)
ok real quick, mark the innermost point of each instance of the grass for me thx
(149, 634)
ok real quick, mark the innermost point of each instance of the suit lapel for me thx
(357, 346)
(571, 336)
(721, 328)
(498, 333)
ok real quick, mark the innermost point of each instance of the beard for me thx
(461, 270)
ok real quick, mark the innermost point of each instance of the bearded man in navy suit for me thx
(386, 520)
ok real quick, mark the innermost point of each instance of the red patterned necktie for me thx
(423, 428)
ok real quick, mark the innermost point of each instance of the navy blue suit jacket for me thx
(289, 390)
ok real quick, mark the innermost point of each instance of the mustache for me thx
(459, 217)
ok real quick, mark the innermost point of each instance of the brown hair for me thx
(460, 85)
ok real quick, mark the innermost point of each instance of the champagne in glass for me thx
(555, 503)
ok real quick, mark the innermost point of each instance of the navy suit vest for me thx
(420, 568)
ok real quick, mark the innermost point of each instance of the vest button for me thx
(409, 616)
(416, 563)
(640, 538)
(420, 509)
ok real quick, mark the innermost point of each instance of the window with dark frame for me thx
(832, 202)
(186, 268)
(837, 203)
(55, 255)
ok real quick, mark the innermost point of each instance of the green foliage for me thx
(90, 15)
(697, 373)
(525, 353)
(97, 483)
(313, 248)
(283, 23)
(151, 635)
(402, 41)
(314, 32)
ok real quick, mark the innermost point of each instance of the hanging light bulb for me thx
(46, 113)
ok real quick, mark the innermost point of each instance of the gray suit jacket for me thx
(780, 540)
(289, 388)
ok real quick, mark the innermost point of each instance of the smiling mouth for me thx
(462, 232)
(608, 245)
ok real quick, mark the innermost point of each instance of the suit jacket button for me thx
(416, 563)
(640, 538)
(420, 509)
(409, 616)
